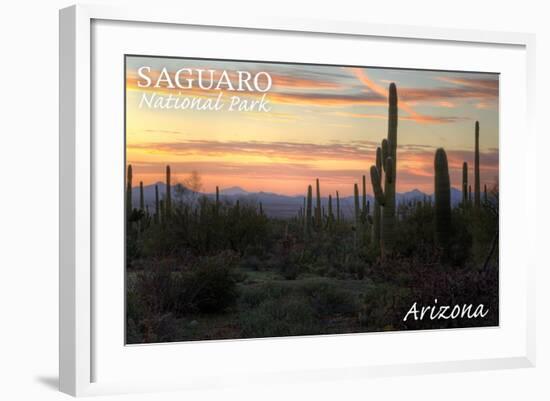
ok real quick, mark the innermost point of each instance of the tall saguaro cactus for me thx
(217, 206)
(168, 205)
(442, 195)
(356, 205)
(385, 197)
(477, 184)
(318, 210)
(157, 204)
(330, 215)
(141, 199)
(307, 225)
(464, 184)
(129, 192)
(377, 215)
(337, 207)
(364, 198)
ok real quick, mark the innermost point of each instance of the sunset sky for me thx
(325, 122)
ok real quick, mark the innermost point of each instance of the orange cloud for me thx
(416, 118)
(486, 83)
(259, 164)
(382, 91)
(327, 99)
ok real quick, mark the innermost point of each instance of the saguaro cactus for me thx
(330, 215)
(168, 192)
(442, 194)
(477, 194)
(356, 204)
(141, 200)
(307, 224)
(318, 209)
(337, 207)
(377, 215)
(129, 192)
(364, 198)
(157, 204)
(388, 161)
(464, 184)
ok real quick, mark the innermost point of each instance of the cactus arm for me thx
(385, 153)
(386, 162)
(377, 186)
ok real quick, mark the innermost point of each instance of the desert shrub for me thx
(216, 283)
(152, 291)
(159, 328)
(289, 271)
(203, 228)
(415, 231)
(384, 304)
(288, 316)
(257, 250)
(461, 241)
(285, 264)
(483, 226)
(251, 262)
(253, 296)
(293, 309)
(328, 299)
(208, 285)
(133, 334)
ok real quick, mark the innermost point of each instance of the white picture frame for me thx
(78, 152)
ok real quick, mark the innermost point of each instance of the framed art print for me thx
(249, 213)
(243, 210)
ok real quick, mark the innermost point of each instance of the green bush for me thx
(252, 297)
(289, 316)
(328, 299)
(216, 283)
(208, 285)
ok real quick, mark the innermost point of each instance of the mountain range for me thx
(274, 205)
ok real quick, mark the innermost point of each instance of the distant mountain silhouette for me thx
(233, 191)
(276, 205)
